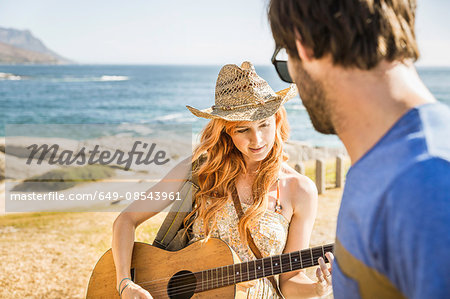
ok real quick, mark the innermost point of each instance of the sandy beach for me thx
(51, 255)
(41, 251)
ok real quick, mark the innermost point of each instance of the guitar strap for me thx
(251, 242)
(172, 234)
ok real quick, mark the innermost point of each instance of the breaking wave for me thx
(8, 76)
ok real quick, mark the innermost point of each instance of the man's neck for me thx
(366, 104)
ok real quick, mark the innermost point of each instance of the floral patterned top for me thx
(269, 234)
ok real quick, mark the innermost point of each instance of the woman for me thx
(244, 157)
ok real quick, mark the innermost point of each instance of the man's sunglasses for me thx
(281, 66)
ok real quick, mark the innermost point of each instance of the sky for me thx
(180, 31)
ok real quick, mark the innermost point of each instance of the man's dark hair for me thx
(356, 33)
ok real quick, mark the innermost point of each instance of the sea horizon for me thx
(134, 95)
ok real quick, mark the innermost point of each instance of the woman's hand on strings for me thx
(134, 291)
(323, 273)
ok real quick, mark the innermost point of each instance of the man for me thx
(352, 61)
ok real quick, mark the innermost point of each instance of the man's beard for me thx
(314, 99)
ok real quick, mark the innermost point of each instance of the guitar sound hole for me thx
(182, 285)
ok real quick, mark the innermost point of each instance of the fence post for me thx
(320, 176)
(300, 167)
(339, 171)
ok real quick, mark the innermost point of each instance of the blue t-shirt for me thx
(393, 231)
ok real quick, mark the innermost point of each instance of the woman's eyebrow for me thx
(259, 123)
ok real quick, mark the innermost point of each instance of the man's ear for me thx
(303, 52)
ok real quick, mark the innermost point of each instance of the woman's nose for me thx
(256, 137)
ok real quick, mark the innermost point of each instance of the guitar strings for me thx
(305, 260)
(208, 281)
(188, 287)
(191, 287)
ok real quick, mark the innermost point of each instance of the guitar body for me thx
(152, 268)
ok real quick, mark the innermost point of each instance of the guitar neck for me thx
(265, 267)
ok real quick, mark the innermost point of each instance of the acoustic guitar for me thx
(201, 270)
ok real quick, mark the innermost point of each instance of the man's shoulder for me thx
(424, 130)
(427, 168)
(435, 122)
(426, 181)
(419, 138)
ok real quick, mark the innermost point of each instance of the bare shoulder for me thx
(302, 190)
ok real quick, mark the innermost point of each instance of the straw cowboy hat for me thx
(242, 95)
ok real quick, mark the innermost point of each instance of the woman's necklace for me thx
(246, 196)
(245, 188)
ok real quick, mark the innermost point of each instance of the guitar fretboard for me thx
(269, 266)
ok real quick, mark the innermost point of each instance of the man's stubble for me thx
(315, 100)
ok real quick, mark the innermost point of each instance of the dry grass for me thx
(330, 170)
(51, 255)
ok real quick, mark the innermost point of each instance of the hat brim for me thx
(250, 113)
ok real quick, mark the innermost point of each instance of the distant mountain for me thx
(21, 47)
(13, 55)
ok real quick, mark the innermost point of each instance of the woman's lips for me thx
(256, 150)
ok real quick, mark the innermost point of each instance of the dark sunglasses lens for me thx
(283, 72)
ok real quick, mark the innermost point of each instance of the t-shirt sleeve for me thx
(418, 245)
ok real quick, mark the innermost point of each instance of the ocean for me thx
(132, 96)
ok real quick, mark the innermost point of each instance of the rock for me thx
(18, 170)
(17, 146)
(2, 166)
(17, 153)
(2, 144)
